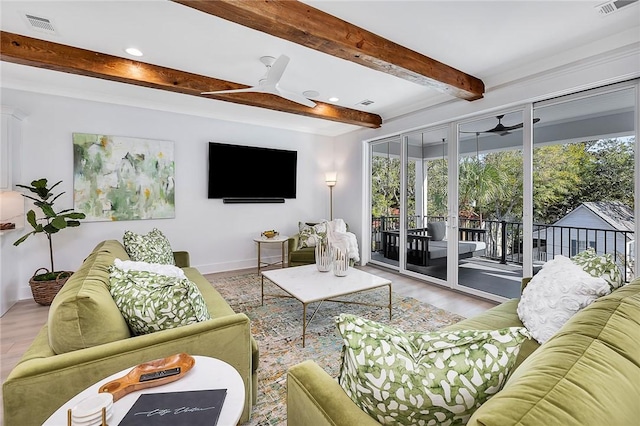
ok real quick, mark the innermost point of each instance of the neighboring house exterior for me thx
(605, 226)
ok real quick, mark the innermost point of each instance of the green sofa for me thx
(86, 339)
(586, 374)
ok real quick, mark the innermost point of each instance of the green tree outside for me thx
(564, 176)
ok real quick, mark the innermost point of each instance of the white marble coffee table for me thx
(207, 373)
(308, 285)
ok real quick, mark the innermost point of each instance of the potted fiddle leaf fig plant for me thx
(45, 285)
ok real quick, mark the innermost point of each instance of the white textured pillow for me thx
(157, 268)
(555, 294)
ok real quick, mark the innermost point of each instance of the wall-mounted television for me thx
(239, 173)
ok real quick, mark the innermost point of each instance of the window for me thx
(578, 246)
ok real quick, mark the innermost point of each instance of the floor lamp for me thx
(331, 178)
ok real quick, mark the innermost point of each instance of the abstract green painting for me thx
(123, 178)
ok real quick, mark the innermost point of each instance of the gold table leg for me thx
(304, 322)
(389, 302)
(259, 262)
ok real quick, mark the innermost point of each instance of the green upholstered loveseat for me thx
(86, 339)
(586, 374)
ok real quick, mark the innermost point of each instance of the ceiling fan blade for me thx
(501, 129)
(519, 126)
(514, 127)
(277, 69)
(245, 90)
(294, 97)
(269, 83)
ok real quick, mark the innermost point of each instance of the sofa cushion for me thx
(303, 256)
(586, 374)
(559, 290)
(157, 268)
(503, 315)
(153, 247)
(151, 301)
(412, 378)
(310, 234)
(599, 266)
(83, 314)
(437, 230)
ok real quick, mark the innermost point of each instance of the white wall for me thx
(218, 236)
(348, 196)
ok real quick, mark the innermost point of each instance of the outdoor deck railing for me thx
(504, 240)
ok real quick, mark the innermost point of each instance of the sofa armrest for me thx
(181, 258)
(316, 399)
(54, 379)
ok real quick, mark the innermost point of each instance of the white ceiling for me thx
(496, 41)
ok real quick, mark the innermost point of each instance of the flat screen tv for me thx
(249, 172)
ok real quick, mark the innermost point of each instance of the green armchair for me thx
(305, 255)
(299, 256)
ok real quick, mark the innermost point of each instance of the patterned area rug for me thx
(277, 327)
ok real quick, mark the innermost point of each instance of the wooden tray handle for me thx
(153, 373)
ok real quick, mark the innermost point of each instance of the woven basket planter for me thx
(44, 291)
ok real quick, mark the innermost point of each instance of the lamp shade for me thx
(331, 178)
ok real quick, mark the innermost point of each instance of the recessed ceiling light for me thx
(334, 99)
(133, 51)
(311, 93)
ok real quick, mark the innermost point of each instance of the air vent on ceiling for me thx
(41, 24)
(365, 102)
(613, 6)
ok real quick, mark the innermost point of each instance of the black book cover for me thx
(192, 408)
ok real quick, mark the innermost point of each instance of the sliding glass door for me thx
(426, 181)
(385, 201)
(477, 205)
(490, 204)
(583, 180)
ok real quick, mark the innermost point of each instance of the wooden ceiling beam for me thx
(302, 24)
(58, 57)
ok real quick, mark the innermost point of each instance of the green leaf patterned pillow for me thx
(150, 301)
(310, 234)
(414, 378)
(153, 247)
(603, 266)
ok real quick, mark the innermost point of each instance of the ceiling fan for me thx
(270, 82)
(501, 129)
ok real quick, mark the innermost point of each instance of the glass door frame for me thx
(526, 113)
(368, 153)
(527, 110)
(403, 219)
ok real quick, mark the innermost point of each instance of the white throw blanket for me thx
(345, 241)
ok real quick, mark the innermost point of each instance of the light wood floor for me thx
(20, 325)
